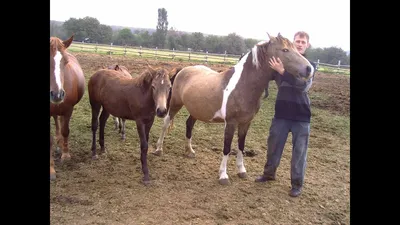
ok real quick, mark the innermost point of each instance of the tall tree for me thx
(162, 28)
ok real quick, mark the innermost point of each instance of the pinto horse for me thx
(67, 86)
(232, 96)
(120, 122)
(139, 98)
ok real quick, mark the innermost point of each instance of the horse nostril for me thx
(62, 94)
(308, 69)
(161, 112)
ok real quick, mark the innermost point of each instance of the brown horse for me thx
(120, 122)
(139, 98)
(231, 97)
(67, 86)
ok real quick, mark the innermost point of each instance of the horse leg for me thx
(122, 128)
(141, 129)
(116, 123)
(52, 170)
(228, 136)
(58, 133)
(103, 119)
(167, 120)
(189, 128)
(95, 122)
(242, 132)
(65, 133)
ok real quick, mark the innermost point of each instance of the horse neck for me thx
(256, 79)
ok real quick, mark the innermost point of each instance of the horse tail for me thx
(171, 126)
(172, 74)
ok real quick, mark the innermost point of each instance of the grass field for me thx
(186, 191)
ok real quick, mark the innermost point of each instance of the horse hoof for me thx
(224, 181)
(52, 176)
(157, 152)
(242, 175)
(146, 182)
(123, 138)
(191, 155)
(65, 157)
(95, 157)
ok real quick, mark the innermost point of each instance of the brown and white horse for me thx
(232, 96)
(67, 86)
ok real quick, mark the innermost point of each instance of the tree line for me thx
(89, 29)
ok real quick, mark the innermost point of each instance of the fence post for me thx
(125, 50)
(173, 53)
(189, 53)
(317, 64)
(156, 52)
(206, 56)
(95, 48)
(110, 48)
(225, 57)
(140, 51)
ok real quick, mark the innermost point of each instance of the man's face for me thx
(301, 44)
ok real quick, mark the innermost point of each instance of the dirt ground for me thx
(186, 191)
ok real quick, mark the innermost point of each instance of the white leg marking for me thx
(222, 168)
(230, 87)
(116, 122)
(164, 129)
(57, 69)
(188, 146)
(239, 162)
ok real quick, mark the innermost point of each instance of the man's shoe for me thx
(295, 192)
(263, 178)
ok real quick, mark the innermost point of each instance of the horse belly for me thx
(202, 99)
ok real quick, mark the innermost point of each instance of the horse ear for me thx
(68, 42)
(116, 67)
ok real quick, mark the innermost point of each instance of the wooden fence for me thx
(179, 55)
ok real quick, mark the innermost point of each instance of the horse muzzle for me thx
(57, 97)
(161, 112)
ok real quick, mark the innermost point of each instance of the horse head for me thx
(58, 61)
(161, 87)
(282, 48)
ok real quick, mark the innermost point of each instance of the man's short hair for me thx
(302, 34)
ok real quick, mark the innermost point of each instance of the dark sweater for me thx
(292, 101)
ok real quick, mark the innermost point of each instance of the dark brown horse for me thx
(139, 98)
(231, 97)
(67, 86)
(119, 123)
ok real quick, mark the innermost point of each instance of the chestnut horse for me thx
(139, 98)
(119, 122)
(232, 96)
(67, 86)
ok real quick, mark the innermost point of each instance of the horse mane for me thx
(146, 77)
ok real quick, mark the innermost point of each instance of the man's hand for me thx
(277, 65)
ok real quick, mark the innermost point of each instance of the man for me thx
(292, 114)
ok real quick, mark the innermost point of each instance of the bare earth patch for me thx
(186, 191)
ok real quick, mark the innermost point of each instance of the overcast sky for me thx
(327, 21)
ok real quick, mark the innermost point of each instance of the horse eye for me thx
(285, 50)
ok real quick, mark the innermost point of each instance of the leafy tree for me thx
(160, 35)
(197, 41)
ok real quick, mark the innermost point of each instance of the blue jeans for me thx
(278, 134)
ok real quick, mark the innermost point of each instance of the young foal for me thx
(120, 122)
(139, 98)
(231, 97)
(67, 86)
